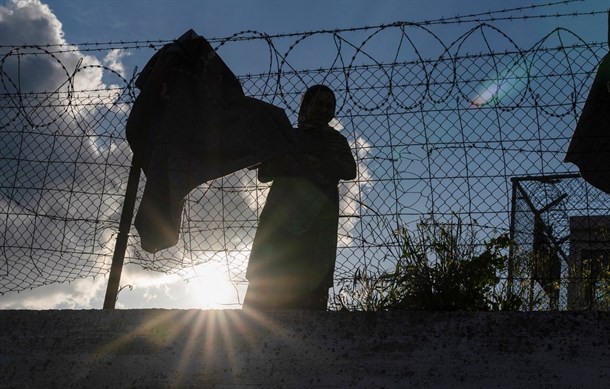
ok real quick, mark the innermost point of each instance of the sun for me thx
(211, 288)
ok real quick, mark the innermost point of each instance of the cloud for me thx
(58, 136)
(350, 193)
(42, 66)
(336, 124)
(80, 294)
(24, 22)
(113, 60)
(141, 289)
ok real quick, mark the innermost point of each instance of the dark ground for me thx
(237, 349)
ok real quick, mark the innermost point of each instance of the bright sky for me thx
(128, 20)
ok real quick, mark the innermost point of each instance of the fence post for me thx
(120, 247)
(511, 249)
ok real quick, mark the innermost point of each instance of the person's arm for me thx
(339, 160)
(282, 165)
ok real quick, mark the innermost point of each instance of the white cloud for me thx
(350, 192)
(113, 60)
(52, 208)
(336, 124)
(43, 67)
(29, 22)
(80, 294)
(141, 289)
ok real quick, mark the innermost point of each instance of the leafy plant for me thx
(441, 267)
(365, 292)
(594, 285)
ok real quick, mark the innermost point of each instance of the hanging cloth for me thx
(589, 148)
(192, 123)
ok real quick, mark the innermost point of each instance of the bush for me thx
(441, 267)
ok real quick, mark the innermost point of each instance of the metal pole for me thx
(120, 247)
(511, 249)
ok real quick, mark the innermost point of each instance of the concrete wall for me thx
(239, 349)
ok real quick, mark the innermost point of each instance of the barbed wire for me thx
(434, 136)
(476, 18)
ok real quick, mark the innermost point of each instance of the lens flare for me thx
(509, 82)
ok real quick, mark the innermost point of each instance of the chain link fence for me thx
(560, 224)
(436, 130)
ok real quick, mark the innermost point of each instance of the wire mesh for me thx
(436, 131)
(560, 224)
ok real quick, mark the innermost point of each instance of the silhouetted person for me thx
(293, 256)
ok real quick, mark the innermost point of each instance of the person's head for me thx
(317, 106)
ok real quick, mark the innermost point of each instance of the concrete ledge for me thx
(240, 349)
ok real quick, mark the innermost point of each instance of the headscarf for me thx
(309, 116)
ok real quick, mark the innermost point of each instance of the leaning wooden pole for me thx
(120, 247)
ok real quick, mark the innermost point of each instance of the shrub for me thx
(441, 267)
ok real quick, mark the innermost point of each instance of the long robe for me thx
(294, 250)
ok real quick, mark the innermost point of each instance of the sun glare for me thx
(211, 288)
